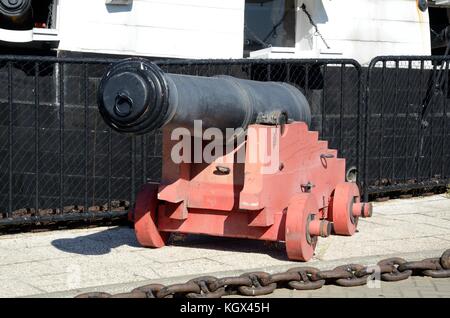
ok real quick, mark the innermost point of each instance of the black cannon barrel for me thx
(135, 96)
(16, 14)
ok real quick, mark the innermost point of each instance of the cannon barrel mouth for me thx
(16, 14)
(14, 6)
(133, 97)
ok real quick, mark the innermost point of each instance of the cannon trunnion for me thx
(274, 181)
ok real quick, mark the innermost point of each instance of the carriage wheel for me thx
(145, 213)
(346, 200)
(301, 212)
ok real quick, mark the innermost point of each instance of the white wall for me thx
(359, 29)
(161, 28)
(363, 29)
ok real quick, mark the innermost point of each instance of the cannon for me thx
(137, 97)
(256, 170)
(16, 14)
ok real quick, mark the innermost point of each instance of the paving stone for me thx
(190, 267)
(15, 288)
(404, 289)
(71, 260)
(170, 254)
(417, 244)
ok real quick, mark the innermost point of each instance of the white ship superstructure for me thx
(217, 29)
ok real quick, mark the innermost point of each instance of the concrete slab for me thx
(65, 263)
(385, 290)
(11, 287)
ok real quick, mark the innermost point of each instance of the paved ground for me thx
(414, 287)
(65, 263)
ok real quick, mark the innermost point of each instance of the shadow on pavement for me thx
(103, 242)
(275, 250)
(99, 243)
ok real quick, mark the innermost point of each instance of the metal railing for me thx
(59, 161)
(407, 126)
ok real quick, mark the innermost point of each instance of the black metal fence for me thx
(59, 161)
(407, 131)
(56, 155)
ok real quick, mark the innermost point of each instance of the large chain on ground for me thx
(299, 278)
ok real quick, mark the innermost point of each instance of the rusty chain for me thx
(299, 278)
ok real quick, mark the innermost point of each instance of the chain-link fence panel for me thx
(59, 159)
(407, 127)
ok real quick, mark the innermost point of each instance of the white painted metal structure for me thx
(359, 29)
(160, 28)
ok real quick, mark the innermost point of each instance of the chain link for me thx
(394, 274)
(299, 278)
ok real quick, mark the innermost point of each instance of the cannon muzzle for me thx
(16, 14)
(136, 97)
